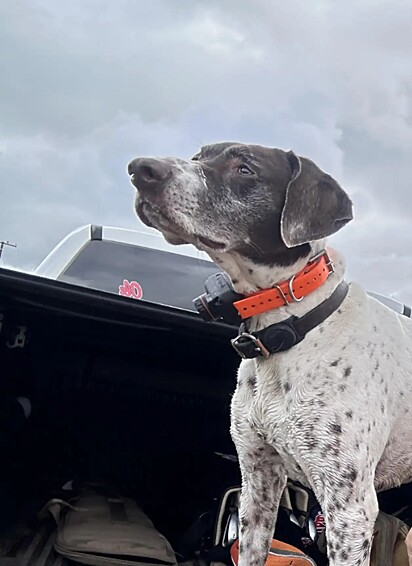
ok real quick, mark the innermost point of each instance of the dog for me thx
(334, 411)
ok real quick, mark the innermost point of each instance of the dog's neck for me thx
(249, 277)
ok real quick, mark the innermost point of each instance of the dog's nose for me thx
(149, 173)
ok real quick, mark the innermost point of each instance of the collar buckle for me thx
(246, 344)
(329, 263)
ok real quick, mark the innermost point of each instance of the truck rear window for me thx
(140, 273)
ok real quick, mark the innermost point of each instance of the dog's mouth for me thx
(211, 244)
(152, 216)
(144, 212)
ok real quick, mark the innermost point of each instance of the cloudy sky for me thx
(88, 84)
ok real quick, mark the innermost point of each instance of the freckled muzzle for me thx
(152, 177)
(168, 192)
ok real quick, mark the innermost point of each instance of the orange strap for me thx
(312, 276)
(280, 554)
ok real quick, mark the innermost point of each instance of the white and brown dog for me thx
(335, 410)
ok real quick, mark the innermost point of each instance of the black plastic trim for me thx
(96, 232)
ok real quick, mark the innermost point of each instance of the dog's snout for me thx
(149, 173)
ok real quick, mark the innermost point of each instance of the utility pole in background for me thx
(5, 243)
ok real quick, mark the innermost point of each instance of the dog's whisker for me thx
(254, 246)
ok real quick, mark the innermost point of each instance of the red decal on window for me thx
(131, 289)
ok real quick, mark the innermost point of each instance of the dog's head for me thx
(263, 204)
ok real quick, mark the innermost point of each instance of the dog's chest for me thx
(281, 414)
(349, 382)
(278, 428)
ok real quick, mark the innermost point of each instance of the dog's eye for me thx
(244, 170)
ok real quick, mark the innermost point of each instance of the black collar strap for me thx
(284, 335)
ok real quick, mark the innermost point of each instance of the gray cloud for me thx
(89, 84)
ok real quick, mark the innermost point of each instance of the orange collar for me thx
(310, 278)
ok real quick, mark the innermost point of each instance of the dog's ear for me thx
(315, 205)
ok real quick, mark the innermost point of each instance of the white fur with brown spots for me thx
(335, 411)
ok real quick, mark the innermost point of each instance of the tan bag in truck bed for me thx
(100, 530)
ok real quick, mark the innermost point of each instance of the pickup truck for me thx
(108, 375)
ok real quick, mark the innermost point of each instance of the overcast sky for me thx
(88, 84)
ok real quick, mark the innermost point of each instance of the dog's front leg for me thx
(263, 477)
(263, 482)
(350, 514)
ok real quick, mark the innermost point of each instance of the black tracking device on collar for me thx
(216, 304)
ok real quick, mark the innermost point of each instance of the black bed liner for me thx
(125, 392)
(23, 291)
